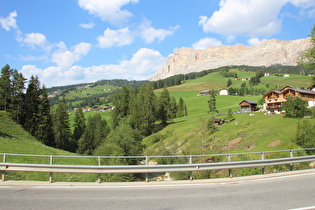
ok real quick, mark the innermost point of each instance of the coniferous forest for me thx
(138, 112)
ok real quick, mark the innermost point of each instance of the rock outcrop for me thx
(187, 60)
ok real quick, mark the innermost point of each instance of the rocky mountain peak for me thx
(274, 51)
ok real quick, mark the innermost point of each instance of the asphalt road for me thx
(289, 192)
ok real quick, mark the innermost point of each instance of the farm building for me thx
(224, 92)
(248, 106)
(204, 92)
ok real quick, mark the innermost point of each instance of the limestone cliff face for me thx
(186, 60)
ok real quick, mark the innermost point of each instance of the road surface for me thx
(288, 192)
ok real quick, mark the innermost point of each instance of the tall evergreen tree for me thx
(121, 103)
(147, 109)
(62, 127)
(134, 108)
(164, 109)
(173, 107)
(182, 109)
(212, 102)
(18, 85)
(229, 83)
(5, 87)
(79, 125)
(95, 133)
(32, 103)
(45, 128)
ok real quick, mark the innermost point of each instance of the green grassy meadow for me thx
(188, 135)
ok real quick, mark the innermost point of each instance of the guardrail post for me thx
(190, 162)
(147, 174)
(3, 172)
(51, 174)
(230, 170)
(99, 175)
(263, 171)
(291, 165)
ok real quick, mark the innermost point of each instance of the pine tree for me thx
(121, 105)
(31, 109)
(79, 125)
(18, 85)
(182, 109)
(61, 127)
(164, 110)
(229, 83)
(149, 109)
(45, 128)
(95, 133)
(134, 108)
(5, 88)
(173, 107)
(212, 102)
(143, 110)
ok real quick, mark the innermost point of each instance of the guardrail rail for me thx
(50, 167)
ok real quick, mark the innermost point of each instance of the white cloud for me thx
(253, 18)
(111, 38)
(36, 40)
(142, 64)
(87, 25)
(244, 17)
(206, 42)
(9, 22)
(50, 73)
(82, 48)
(65, 58)
(29, 70)
(149, 34)
(108, 10)
(76, 73)
(255, 41)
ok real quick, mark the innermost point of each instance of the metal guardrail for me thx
(51, 168)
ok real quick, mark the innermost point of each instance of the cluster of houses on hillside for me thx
(95, 108)
(274, 99)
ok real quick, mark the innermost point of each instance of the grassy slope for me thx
(14, 139)
(188, 134)
(259, 130)
(81, 93)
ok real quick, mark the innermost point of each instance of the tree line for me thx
(28, 106)
(224, 71)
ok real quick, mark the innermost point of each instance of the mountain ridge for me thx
(270, 52)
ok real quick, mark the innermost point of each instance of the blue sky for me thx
(76, 41)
